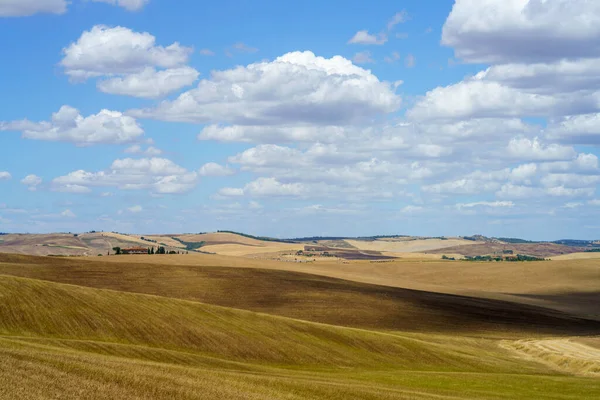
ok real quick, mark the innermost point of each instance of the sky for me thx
(312, 118)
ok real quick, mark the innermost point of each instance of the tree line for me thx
(159, 250)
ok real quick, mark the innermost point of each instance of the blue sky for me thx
(314, 118)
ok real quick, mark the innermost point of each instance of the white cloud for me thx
(244, 48)
(214, 169)
(206, 52)
(364, 37)
(481, 131)
(32, 182)
(158, 175)
(578, 129)
(411, 209)
(72, 189)
(534, 150)
(570, 180)
(137, 149)
(477, 98)
(68, 214)
(392, 58)
(320, 209)
(254, 205)
(584, 163)
(157, 166)
(410, 61)
(294, 88)
(573, 205)
(107, 51)
(493, 204)
(268, 154)
(462, 186)
(363, 57)
(25, 8)
(524, 173)
(152, 151)
(553, 90)
(325, 170)
(4, 176)
(512, 191)
(272, 134)
(502, 31)
(135, 209)
(150, 83)
(68, 125)
(231, 192)
(267, 187)
(563, 76)
(398, 18)
(270, 187)
(130, 5)
(561, 191)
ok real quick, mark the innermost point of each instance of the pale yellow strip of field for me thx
(169, 241)
(118, 236)
(577, 256)
(244, 250)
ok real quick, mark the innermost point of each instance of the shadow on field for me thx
(309, 297)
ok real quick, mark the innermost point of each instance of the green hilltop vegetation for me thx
(190, 246)
(263, 238)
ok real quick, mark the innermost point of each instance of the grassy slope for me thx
(307, 297)
(63, 341)
(32, 308)
(34, 373)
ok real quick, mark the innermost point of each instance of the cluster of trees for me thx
(522, 257)
(317, 238)
(515, 240)
(190, 245)
(517, 258)
(159, 250)
(263, 238)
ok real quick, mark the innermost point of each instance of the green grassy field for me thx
(90, 330)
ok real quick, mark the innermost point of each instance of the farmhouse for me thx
(135, 250)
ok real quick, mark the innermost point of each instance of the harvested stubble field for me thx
(205, 327)
(408, 246)
(543, 250)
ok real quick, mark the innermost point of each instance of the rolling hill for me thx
(65, 340)
(201, 326)
(303, 296)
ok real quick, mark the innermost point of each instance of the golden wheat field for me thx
(201, 326)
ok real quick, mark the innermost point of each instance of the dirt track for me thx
(565, 355)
